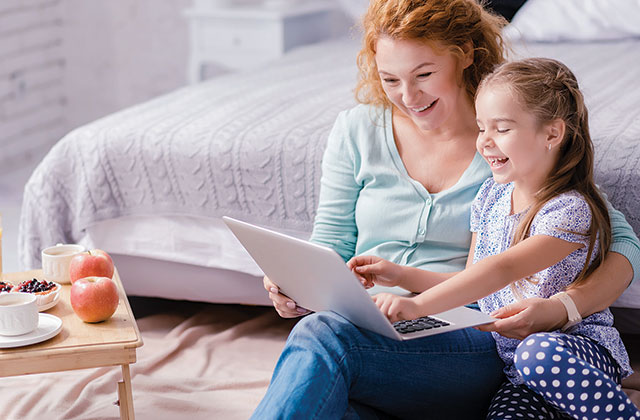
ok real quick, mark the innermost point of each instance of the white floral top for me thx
(567, 217)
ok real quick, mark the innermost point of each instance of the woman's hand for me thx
(397, 308)
(285, 307)
(528, 316)
(375, 270)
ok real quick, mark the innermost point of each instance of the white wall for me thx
(32, 68)
(64, 63)
(121, 52)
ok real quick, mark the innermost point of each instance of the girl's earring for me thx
(549, 147)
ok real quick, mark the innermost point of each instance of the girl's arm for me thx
(375, 270)
(490, 274)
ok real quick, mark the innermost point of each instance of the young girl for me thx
(539, 227)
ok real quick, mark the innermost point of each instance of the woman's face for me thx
(422, 82)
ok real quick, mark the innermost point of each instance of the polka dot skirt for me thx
(566, 376)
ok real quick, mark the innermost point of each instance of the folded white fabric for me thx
(575, 20)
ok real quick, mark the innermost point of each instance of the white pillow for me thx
(354, 8)
(575, 20)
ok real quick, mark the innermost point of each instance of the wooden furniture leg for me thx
(125, 396)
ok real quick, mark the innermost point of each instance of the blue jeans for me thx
(330, 369)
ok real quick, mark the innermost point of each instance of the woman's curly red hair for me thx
(455, 24)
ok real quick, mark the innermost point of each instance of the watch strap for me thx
(572, 311)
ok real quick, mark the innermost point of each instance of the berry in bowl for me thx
(5, 287)
(47, 292)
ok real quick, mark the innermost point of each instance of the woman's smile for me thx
(421, 111)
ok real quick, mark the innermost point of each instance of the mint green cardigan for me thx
(370, 205)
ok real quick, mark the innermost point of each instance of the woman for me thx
(399, 175)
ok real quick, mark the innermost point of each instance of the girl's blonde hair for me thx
(550, 91)
(456, 24)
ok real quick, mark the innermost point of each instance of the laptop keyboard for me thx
(418, 324)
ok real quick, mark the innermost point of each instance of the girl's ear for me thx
(555, 133)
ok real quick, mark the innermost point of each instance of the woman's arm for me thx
(334, 224)
(597, 292)
(528, 316)
(617, 271)
(603, 286)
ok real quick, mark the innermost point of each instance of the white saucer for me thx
(48, 326)
(50, 304)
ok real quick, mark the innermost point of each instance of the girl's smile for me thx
(496, 162)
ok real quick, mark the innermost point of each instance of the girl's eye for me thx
(424, 75)
(481, 130)
(502, 130)
(390, 80)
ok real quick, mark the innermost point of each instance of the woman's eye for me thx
(481, 130)
(390, 80)
(502, 130)
(423, 75)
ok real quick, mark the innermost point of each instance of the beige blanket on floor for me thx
(199, 361)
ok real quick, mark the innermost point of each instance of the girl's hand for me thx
(397, 308)
(528, 316)
(375, 270)
(285, 307)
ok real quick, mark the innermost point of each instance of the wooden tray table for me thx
(80, 345)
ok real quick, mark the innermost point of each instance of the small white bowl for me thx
(18, 313)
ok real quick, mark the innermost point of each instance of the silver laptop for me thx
(317, 278)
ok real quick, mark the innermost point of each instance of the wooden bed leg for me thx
(125, 395)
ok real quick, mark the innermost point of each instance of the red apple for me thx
(94, 299)
(95, 263)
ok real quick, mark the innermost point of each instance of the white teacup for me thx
(56, 259)
(18, 313)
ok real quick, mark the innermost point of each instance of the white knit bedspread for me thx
(249, 145)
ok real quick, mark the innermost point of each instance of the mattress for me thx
(152, 181)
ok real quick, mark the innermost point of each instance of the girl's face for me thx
(511, 140)
(422, 82)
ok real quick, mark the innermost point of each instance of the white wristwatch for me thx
(572, 310)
